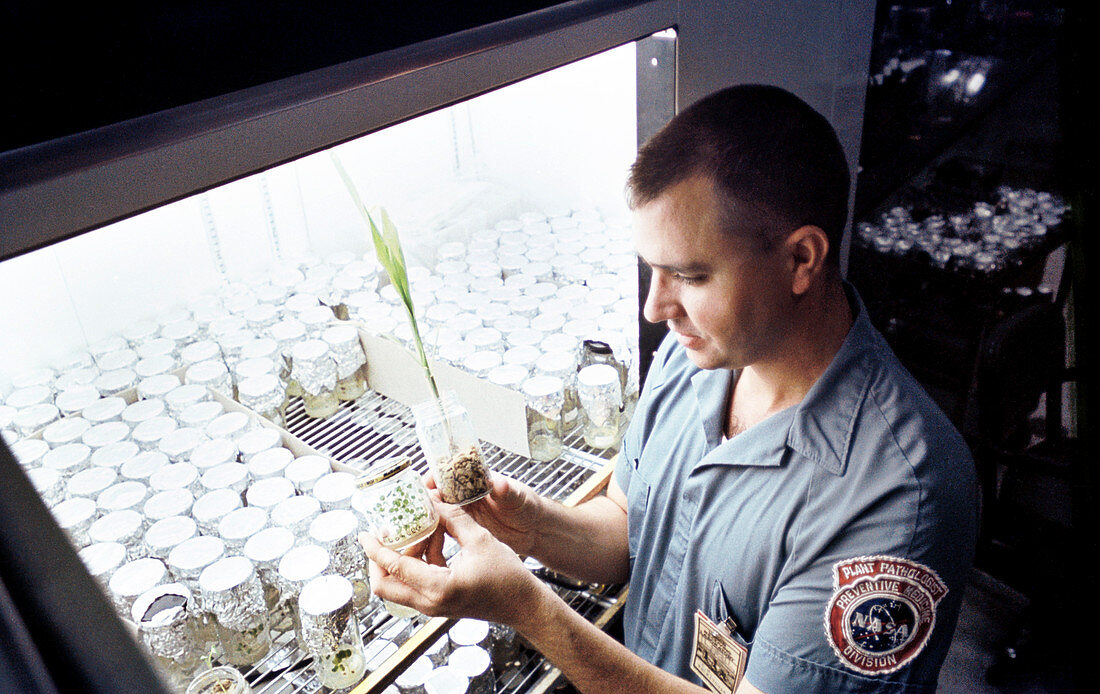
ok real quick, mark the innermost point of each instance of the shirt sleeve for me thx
(640, 424)
(865, 603)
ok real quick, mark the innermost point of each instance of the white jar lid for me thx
(67, 459)
(102, 558)
(74, 399)
(170, 502)
(291, 512)
(226, 476)
(304, 562)
(213, 452)
(542, 386)
(159, 386)
(140, 330)
(65, 430)
(157, 347)
(107, 344)
(200, 414)
(269, 545)
(117, 359)
(482, 361)
(266, 493)
(471, 661)
(269, 463)
(195, 554)
(308, 350)
(90, 482)
(446, 680)
(182, 396)
(226, 574)
(154, 366)
(26, 397)
(206, 372)
(114, 382)
(169, 532)
(334, 525)
(137, 412)
(287, 330)
(259, 385)
(178, 443)
(135, 577)
(415, 674)
(334, 487)
(484, 338)
(115, 454)
(561, 343)
(106, 434)
(122, 495)
(31, 419)
(41, 376)
(116, 526)
(174, 476)
(469, 632)
(325, 594)
(152, 430)
(200, 351)
(258, 440)
(45, 480)
(142, 466)
(213, 505)
(29, 451)
(72, 512)
(597, 375)
(231, 425)
(305, 470)
(242, 523)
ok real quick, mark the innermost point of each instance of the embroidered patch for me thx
(882, 611)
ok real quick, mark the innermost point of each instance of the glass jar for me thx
(601, 397)
(165, 619)
(393, 500)
(132, 579)
(453, 451)
(168, 533)
(75, 516)
(219, 680)
(330, 631)
(237, 526)
(337, 531)
(213, 374)
(265, 395)
(600, 352)
(343, 341)
(314, 368)
(298, 567)
(266, 549)
(477, 665)
(563, 365)
(209, 509)
(186, 562)
(545, 398)
(296, 514)
(232, 592)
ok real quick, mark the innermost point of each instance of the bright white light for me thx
(975, 83)
(951, 76)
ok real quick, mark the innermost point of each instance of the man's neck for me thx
(819, 328)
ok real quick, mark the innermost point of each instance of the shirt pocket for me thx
(717, 608)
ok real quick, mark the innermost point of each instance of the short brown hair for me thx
(776, 163)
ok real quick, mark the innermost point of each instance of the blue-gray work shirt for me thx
(755, 528)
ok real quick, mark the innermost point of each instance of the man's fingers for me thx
(459, 524)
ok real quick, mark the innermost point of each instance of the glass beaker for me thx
(453, 451)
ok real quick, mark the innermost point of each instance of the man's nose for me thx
(661, 302)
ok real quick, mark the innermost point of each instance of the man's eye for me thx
(689, 279)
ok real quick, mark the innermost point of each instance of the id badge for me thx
(716, 656)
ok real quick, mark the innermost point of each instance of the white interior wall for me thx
(561, 139)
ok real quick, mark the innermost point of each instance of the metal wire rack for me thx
(375, 427)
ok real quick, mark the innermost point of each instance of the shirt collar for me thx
(822, 424)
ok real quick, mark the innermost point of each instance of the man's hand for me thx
(486, 580)
(512, 512)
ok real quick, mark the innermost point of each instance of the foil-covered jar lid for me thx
(211, 507)
(231, 590)
(167, 533)
(343, 340)
(163, 617)
(187, 560)
(240, 524)
(326, 611)
(102, 559)
(314, 366)
(301, 564)
(134, 578)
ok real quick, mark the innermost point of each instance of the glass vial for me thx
(219, 680)
(395, 503)
(165, 619)
(330, 631)
(314, 369)
(545, 398)
(601, 396)
(265, 395)
(232, 592)
(447, 437)
(343, 341)
(337, 531)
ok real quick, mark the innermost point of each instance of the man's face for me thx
(724, 297)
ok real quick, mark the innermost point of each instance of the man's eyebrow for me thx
(690, 268)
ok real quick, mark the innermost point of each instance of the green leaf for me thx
(387, 247)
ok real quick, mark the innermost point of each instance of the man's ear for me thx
(806, 248)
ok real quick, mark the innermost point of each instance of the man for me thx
(785, 487)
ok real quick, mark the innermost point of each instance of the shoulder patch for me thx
(881, 613)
